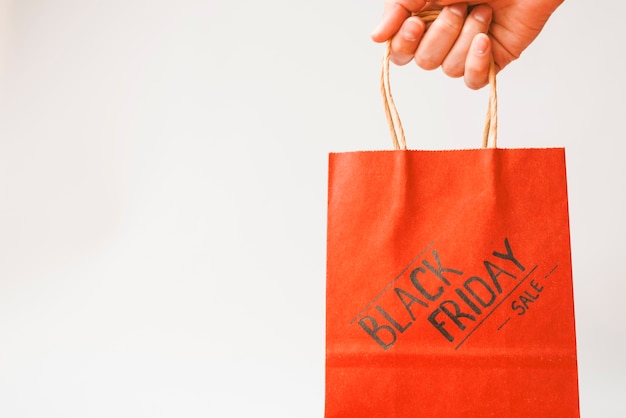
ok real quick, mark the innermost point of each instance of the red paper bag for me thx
(449, 285)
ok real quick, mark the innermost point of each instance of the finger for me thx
(477, 63)
(440, 37)
(404, 43)
(477, 22)
(395, 13)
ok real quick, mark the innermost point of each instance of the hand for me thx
(464, 36)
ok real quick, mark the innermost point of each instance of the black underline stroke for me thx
(551, 271)
(392, 282)
(494, 309)
(504, 323)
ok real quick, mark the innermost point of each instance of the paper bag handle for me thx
(490, 133)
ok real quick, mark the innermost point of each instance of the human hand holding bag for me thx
(449, 281)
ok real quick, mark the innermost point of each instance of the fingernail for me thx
(458, 9)
(483, 14)
(411, 30)
(480, 44)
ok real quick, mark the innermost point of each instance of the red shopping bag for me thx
(449, 284)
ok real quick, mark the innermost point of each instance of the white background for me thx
(163, 169)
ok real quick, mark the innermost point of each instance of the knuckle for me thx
(453, 70)
(474, 81)
(473, 85)
(401, 60)
(403, 47)
(426, 62)
(474, 69)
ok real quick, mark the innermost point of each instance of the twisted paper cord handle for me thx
(490, 133)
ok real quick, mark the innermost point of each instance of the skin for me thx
(464, 36)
